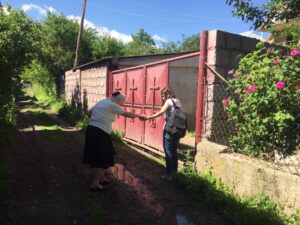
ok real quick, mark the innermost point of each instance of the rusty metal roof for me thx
(117, 58)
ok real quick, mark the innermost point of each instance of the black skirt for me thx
(98, 149)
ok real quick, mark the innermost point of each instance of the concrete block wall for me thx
(83, 88)
(93, 86)
(72, 86)
(248, 176)
(224, 51)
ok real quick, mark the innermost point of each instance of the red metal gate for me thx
(119, 84)
(142, 86)
(157, 78)
(135, 89)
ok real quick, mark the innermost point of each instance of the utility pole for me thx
(79, 35)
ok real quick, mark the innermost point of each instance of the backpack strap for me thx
(175, 106)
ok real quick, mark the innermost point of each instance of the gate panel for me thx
(156, 79)
(135, 86)
(153, 130)
(119, 123)
(119, 84)
(134, 126)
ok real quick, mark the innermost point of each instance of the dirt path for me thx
(49, 184)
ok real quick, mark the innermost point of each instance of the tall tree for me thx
(59, 44)
(141, 44)
(105, 46)
(190, 43)
(18, 42)
(268, 13)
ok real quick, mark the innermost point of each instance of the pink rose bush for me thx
(225, 102)
(295, 52)
(265, 112)
(251, 89)
(230, 72)
(279, 85)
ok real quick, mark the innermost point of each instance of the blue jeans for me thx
(170, 144)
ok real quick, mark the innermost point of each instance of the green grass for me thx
(246, 210)
(117, 136)
(191, 133)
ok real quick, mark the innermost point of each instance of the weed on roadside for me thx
(246, 210)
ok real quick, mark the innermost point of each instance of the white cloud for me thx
(158, 38)
(5, 10)
(41, 10)
(101, 30)
(104, 30)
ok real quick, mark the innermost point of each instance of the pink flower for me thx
(230, 72)
(279, 85)
(284, 56)
(225, 102)
(251, 89)
(295, 52)
(297, 87)
(276, 61)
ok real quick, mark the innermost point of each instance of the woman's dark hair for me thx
(167, 91)
(116, 93)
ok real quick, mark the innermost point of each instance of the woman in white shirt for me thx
(170, 142)
(99, 150)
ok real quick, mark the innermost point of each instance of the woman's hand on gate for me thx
(142, 117)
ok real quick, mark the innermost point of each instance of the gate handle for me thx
(152, 122)
(132, 119)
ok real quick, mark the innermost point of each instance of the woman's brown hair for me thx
(168, 91)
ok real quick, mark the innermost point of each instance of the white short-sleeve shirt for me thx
(104, 114)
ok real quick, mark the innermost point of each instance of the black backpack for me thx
(177, 122)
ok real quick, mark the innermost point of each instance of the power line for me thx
(159, 18)
(173, 13)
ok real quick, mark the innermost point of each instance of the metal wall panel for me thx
(134, 126)
(135, 86)
(156, 80)
(119, 84)
(153, 131)
(119, 123)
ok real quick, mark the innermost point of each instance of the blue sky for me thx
(164, 20)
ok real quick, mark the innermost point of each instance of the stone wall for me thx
(247, 176)
(224, 51)
(72, 87)
(93, 86)
(84, 88)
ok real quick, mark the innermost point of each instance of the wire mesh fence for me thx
(283, 150)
